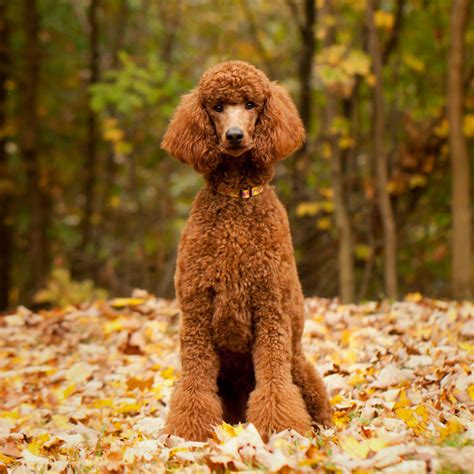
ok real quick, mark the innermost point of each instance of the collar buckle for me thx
(246, 193)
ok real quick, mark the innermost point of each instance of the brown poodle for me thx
(236, 276)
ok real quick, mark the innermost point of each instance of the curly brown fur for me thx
(236, 277)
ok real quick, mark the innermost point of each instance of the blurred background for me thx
(379, 198)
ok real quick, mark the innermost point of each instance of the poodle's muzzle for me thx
(234, 125)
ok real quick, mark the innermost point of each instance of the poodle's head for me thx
(235, 109)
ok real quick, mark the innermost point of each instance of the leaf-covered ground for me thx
(85, 389)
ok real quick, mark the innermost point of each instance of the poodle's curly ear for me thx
(190, 136)
(279, 131)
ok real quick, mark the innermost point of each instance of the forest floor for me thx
(85, 389)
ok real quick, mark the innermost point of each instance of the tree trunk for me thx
(110, 166)
(346, 274)
(343, 223)
(461, 206)
(91, 144)
(306, 62)
(306, 24)
(38, 208)
(380, 157)
(6, 186)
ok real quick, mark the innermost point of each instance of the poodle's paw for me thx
(323, 416)
(319, 408)
(193, 414)
(313, 390)
(276, 409)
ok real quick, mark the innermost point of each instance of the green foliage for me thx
(132, 86)
(62, 291)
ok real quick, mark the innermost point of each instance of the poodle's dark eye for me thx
(249, 105)
(219, 108)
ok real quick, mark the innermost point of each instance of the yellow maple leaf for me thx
(102, 403)
(232, 430)
(362, 252)
(470, 391)
(10, 414)
(114, 326)
(337, 399)
(308, 208)
(355, 448)
(224, 432)
(468, 125)
(423, 412)
(123, 302)
(61, 421)
(345, 337)
(356, 62)
(346, 142)
(350, 356)
(371, 80)
(376, 444)
(113, 135)
(327, 192)
(415, 419)
(341, 419)
(326, 150)
(168, 373)
(413, 62)
(357, 379)
(115, 201)
(6, 459)
(69, 390)
(384, 19)
(442, 129)
(323, 223)
(465, 346)
(452, 427)
(129, 407)
(417, 181)
(37, 443)
(414, 297)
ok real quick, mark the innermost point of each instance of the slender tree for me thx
(380, 157)
(305, 18)
(345, 258)
(343, 222)
(110, 166)
(36, 194)
(5, 184)
(461, 206)
(91, 149)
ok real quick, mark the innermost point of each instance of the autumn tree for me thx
(461, 205)
(6, 184)
(345, 258)
(91, 148)
(380, 158)
(36, 192)
(305, 18)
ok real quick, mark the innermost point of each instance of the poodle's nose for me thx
(234, 135)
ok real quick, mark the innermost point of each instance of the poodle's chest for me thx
(242, 262)
(234, 254)
(236, 271)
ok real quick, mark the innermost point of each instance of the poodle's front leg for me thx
(195, 406)
(276, 403)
